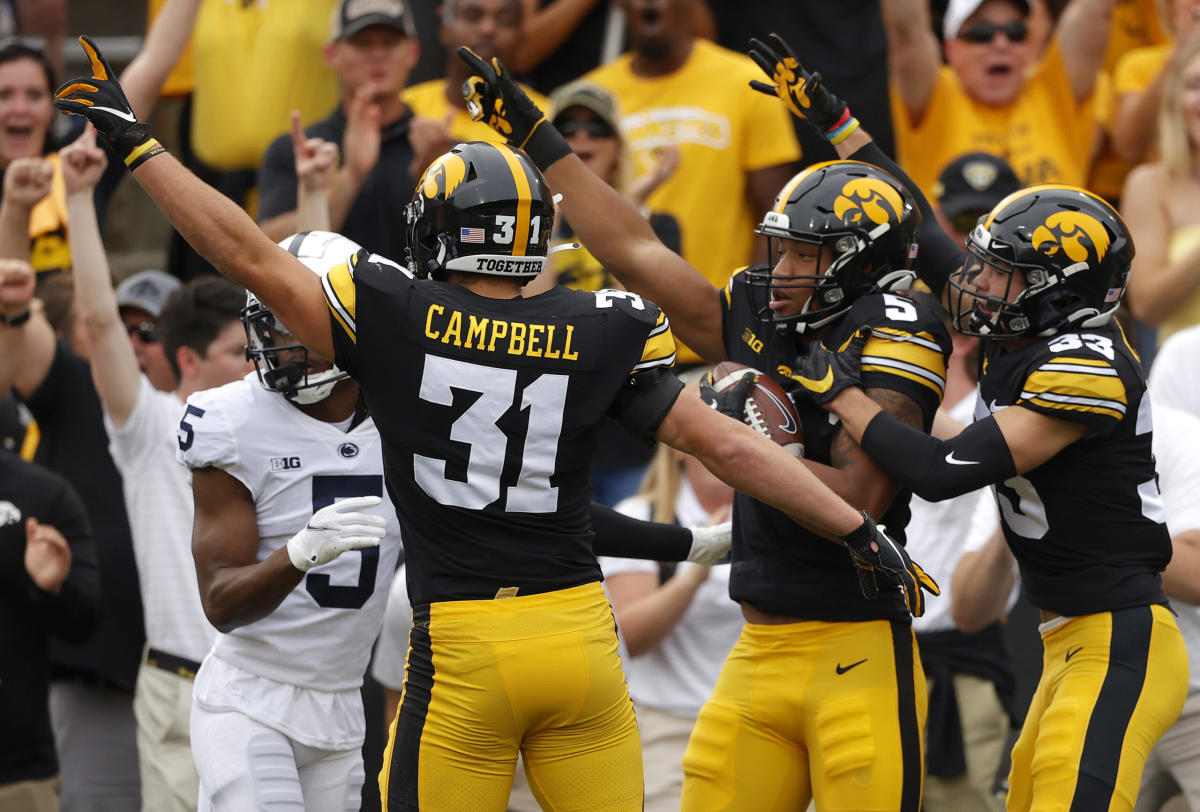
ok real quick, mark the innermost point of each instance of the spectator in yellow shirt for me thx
(994, 95)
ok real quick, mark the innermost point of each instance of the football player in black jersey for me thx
(488, 406)
(824, 687)
(1063, 433)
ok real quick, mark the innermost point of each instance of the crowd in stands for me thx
(323, 115)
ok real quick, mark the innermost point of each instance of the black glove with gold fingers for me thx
(889, 559)
(495, 99)
(730, 401)
(803, 92)
(100, 99)
(824, 373)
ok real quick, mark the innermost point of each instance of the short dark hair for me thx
(197, 313)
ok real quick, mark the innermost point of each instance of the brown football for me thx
(769, 410)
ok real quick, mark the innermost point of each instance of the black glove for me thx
(731, 401)
(101, 101)
(824, 373)
(802, 92)
(495, 99)
(891, 561)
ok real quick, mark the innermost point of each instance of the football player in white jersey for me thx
(295, 580)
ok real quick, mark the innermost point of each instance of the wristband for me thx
(545, 145)
(841, 130)
(17, 319)
(142, 153)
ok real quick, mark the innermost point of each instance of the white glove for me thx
(333, 530)
(710, 545)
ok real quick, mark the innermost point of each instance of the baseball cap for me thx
(148, 290)
(958, 11)
(976, 181)
(581, 93)
(352, 16)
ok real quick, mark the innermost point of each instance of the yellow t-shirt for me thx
(1138, 68)
(49, 246)
(1135, 24)
(1183, 241)
(428, 99)
(724, 130)
(1045, 133)
(179, 81)
(254, 64)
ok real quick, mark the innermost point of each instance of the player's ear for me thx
(188, 360)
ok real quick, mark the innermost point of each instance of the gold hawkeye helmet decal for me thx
(868, 198)
(1073, 232)
(444, 174)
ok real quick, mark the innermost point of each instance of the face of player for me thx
(654, 25)
(143, 337)
(992, 285)
(593, 140)
(991, 52)
(378, 55)
(224, 359)
(1190, 103)
(309, 361)
(490, 28)
(26, 109)
(789, 295)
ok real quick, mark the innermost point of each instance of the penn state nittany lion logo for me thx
(870, 199)
(443, 175)
(1074, 233)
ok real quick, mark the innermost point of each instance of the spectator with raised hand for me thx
(371, 48)
(204, 342)
(995, 93)
(49, 587)
(1162, 206)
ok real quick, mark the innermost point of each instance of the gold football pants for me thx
(831, 712)
(1111, 684)
(487, 678)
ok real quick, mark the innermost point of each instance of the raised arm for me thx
(26, 182)
(608, 224)
(914, 56)
(213, 224)
(114, 364)
(167, 39)
(1083, 37)
(546, 29)
(27, 343)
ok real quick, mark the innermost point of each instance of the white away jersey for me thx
(320, 637)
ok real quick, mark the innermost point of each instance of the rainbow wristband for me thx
(142, 153)
(840, 131)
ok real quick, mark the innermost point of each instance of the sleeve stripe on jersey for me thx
(914, 372)
(338, 285)
(1054, 400)
(1098, 385)
(659, 349)
(920, 339)
(1059, 366)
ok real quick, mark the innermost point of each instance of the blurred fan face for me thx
(143, 337)
(26, 109)
(991, 52)
(1191, 99)
(378, 55)
(654, 25)
(592, 139)
(490, 28)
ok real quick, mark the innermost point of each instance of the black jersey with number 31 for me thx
(489, 410)
(778, 566)
(1086, 526)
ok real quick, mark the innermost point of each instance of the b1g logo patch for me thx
(285, 463)
(1074, 233)
(868, 200)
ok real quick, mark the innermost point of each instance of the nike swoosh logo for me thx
(950, 459)
(843, 669)
(994, 406)
(118, 113)
(1071, 654)
(790, 425)
(822, 385)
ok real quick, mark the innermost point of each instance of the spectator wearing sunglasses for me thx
(968, 188)
(996, 93)
(140, 301)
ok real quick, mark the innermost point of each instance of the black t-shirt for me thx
(778, 566)
(376, 218)
(29, 616)
(75, 445)
(489, 412)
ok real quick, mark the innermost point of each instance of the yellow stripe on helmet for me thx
(524, 200)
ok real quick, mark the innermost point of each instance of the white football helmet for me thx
(319, 251)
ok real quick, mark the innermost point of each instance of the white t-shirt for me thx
(299, 668)
(940, 532)
(679, 674)
(1175, 375)
(158, 500)
(392, 650)
(1177, 457)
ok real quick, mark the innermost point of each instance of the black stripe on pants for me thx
(906, 706)
(401, 793)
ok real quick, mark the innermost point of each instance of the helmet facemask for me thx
(839, 258)
(284, 365)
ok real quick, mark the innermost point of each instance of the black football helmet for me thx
(482, 208)
(1073, 252)
(864, 225)
(319, 251)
